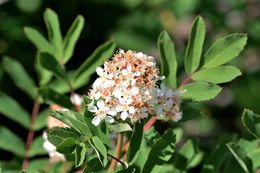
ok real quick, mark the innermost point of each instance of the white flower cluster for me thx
(125, 88)
(167, 103)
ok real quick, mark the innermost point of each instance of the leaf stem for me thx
(35, 111)
(187, 80)
(119, 144)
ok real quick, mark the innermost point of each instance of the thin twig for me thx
(35, 111)
(119, 143)
(115, 158)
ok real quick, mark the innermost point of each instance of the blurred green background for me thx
(136, 24)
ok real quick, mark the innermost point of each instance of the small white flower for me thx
(111, 112)
(144, 115)
(101, 105)
(134, 91)
(96, 120)
(124, 72)
(110, 119)
(139, 55)
(119, 108)
(169, 93)
(137, 73)
(99, 71)
(124, 115)
(97, 95)
(131, 109)
(49, 147)
(117, 93)
(97, 84)
(92, 108)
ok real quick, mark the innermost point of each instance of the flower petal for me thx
(96, 120)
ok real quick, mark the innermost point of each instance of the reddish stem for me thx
(150, 123)
(187, 80)
(119, 144)
(36, 108)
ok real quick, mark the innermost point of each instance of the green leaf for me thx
(161, 152)
(240, 156)
(40, 121)
(66, 146)
(37, 164)
(93, 165)
(19, 76)
(100, 150)
(11, 109)
(188, 156)
(53, 25)
(44, 76)
(57, 134)
(200, 91)
(80, 154)
(61, 87)
(167, 59)
(251, 121)
(72, 37)
(135, 143)
(217, 157)
(96, 59)
(70, 118)
(38, 40)
(37, 147)
(224, 50)
(10, 142)
(119, 127)
(50, 96)
(217, 75)
(195, 45)
(51, 64)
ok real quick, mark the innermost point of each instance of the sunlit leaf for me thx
(195, 45)
(219, 74)
(224, 50)
(200, 91)
(100, 149)
(119, 127)
(167, 59)
(69, 118)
